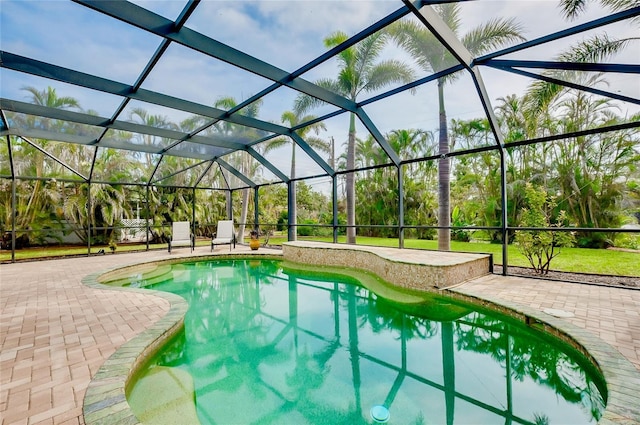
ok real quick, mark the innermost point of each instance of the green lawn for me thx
(598, 261)
(579, 260)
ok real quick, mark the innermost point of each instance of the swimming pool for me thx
(267, 341)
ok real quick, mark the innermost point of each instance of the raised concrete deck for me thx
(408, 268)
(56, 332)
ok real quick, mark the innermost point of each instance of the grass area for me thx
(578, 260)
(71, 250)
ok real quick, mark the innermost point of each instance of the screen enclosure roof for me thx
(233, 94)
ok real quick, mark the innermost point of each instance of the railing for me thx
(52, 242)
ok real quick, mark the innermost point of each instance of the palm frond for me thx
(253, 109)
(319, 144)
(386, 73)
(304, 103)
(225, 102)
(540, 94)
(347, 56)
(349, 81)
(276, 143)
(289, 117)
(450, 14)
(368, 51)
(572, 8)
(493, 35)
(419, 42)
(316, 127)
(594, 49)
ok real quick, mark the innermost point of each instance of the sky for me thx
(287, 34)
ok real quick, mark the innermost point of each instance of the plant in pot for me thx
(254, 242)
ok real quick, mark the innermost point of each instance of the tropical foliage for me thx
(433, 56)
(592, 174)
(361, 71)
(594, 177)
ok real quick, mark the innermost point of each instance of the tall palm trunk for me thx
(294, 200)
(243, 214)
(444, 172)
(350, 184)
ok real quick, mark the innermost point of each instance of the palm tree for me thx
(432, 56)
(293, 119)
(40, 199)
(360, 72)
(583, 112)
(50, 98)
(380, 185)
(411, 143)
(368, 153)
(141, 116)
(240, 159)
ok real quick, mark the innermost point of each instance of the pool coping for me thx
(105, 400)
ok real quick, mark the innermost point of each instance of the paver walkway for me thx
(55, 332)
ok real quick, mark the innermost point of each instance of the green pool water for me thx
(268, 342)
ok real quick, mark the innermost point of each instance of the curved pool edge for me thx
(621, 377)
(106, 394)
(105, 400)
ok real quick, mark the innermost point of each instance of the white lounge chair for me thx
(225, 234)
(181, 235)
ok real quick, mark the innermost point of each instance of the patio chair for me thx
(224, 235)
(181, 235)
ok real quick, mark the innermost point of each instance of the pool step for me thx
(149, 275)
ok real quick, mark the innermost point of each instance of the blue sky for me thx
(285, 33)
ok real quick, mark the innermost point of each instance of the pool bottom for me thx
(175, 404)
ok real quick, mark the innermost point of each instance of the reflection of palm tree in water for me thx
(232, 320)
(308, 373)
(524, 357)
(382, 315)
(254, 345)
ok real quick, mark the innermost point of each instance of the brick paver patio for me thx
(612, 314)
(57, 332)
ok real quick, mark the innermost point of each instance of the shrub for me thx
(628, 241)
(541, 246)
(458, 219)
(307, 230)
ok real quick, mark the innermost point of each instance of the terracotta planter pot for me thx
(254, 244)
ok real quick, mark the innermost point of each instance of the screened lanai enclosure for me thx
(375, 122)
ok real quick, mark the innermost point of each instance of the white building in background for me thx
(134, 230)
